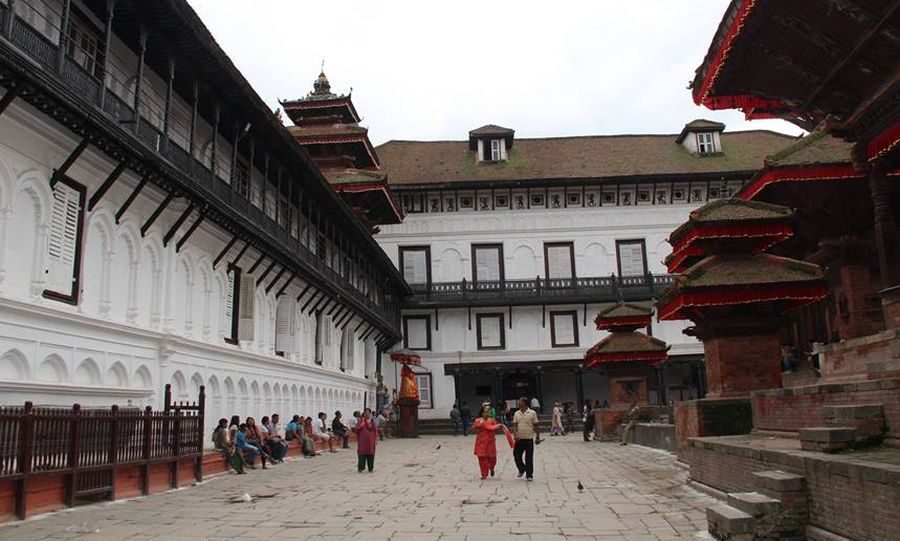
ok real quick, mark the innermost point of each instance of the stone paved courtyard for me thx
(418, 493)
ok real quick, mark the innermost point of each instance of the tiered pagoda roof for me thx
(728, 226)
(624, 344)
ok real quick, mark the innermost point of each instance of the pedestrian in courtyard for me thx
(340, 430)
(380, 421)
(366, 438)
(589, 420)
(465, 417)
(247, 450)
(224, 445)
(485, 429)
(632, 418)
(526, 428)
(454, 420)
(323, 433)
(556, 427)
(297, 431)
(535, 403)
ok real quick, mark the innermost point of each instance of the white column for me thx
(5, 216)
(131, 312)
(207, 330)
(37, 264)
(168, 289)
(105, 302)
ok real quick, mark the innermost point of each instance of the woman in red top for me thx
(366, 438)
(485, 442)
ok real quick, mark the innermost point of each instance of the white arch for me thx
(52, 370)
(143, 377)
(196, 382)
(35, 184)
(14, 366)
(179, 385)
(117, 376)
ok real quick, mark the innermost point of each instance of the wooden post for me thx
(145, 466)
(217, 114)
(201, 414)
(176, 445)
(193, 131)
(113, 456)
(170, 96)
(72, 461)
(110, 12)
(63, 34)
(10, 17)
(885, 229)
(167, 398)
(26, 452)
(139, 80)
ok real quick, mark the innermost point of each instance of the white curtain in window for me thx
(415, 266)
(487, 264)
(417, 333)
(491, 333)
(631, 258)
(564, 329)
(559, 261)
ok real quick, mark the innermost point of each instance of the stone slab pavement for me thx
(417, 492)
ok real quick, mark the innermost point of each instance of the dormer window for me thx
(706, 144)
(491, 144)
(495, 150)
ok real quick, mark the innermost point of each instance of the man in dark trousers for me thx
(465, 416)
(525, 428)
(589, 420)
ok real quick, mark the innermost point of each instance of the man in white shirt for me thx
(322, 432)
(526, 428)
(535, 404)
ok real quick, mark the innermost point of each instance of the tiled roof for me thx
(355, 176)
(703, 124)
(747, 270)
(624, 310)
(319, 131)
(627, 342)
(814, 149)
(723, 210)
(491, 129)
(590, 157)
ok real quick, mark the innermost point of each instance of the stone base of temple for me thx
(865, 358)
(709, 417)
(408, 424)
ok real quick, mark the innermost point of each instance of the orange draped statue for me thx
(409, 387)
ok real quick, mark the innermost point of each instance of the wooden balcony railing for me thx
(539, 291)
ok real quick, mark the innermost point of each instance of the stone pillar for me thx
(740, 360)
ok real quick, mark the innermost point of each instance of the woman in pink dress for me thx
(366, 437)
(485, 442)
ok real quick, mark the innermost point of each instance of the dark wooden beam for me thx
(275, 280)
(8, 98)
(304, 291)
(190, 231)
(335, 308)
(361, 323)
(237, 259)
(348, 317)
(131, 197)
(224, 251)
(319, 306)
(309, 300)
(159, 210)
(286, 284)
(256, 263)
(107, 184)
(265, 273)
(178, 223)
(64, 168)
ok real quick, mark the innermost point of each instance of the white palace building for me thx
(512, 246)
(158, 225)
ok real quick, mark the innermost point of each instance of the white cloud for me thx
(435, 70)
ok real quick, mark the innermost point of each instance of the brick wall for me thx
(736, 365)
(799, 407)
(867, 357)
(890, 303)
(709, 417)
(858, 501)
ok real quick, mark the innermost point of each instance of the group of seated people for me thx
(240, 443)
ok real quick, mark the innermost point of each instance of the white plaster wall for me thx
(148, 315)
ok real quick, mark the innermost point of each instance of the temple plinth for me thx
(627, 356)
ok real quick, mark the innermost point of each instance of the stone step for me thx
(727, 523)
(754, 503)
(776, 482)
(866, 419)
(828, 439)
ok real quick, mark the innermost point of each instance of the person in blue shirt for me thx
(248, 450)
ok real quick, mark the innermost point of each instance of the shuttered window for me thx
(284, 327)
(415, 262)
(231, 317)
(564, 329)
(64, 242)
(559, 257)
(417, 332)
(490, 331)
(487, 262)
(247, 301)
(632, 257)
(425, 398)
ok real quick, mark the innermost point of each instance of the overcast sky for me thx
(429, 70)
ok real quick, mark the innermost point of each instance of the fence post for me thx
(176, 444)
(26, 452)
(167, 398)
(113, 455)
(72, 462)
(145, 467)
(201, 404)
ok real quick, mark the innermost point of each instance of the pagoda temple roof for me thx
(731, 210)
(623, 317)
(622, 309)
(626, 347)
(583, 157)
(816, 148)
(720, 280)
(324, 131)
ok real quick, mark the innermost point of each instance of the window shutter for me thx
(424, 390)
(631, 258)
(246, 326)
(63, 239)
(491, 332)
(415, 266)
(284, 327)
(563, 329)
(487, 151)
(559, 262)
(417, 333)
(229, 304)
